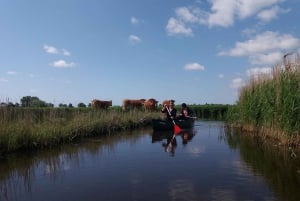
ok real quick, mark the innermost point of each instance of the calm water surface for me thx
(206, 163)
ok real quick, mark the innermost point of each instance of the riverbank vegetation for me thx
(31, 128)
(35, 125)
(269, 105)
(210, 111)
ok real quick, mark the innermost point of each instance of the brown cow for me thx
(101, 104)
(131, 104)
(150, 104)
(167, 102)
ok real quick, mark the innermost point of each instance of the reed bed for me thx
(30, 128)
(270, 104)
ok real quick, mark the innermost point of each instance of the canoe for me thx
(165, 125)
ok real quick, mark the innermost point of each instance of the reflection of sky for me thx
(124, 169)
(222, 194)
(182, 190)
(196, 149)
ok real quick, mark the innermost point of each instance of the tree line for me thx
(33, 101)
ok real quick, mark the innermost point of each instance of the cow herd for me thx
(128, 104)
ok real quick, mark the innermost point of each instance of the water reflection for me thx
(169, 139)
(19, 171)
(208, 163)
(280, 170)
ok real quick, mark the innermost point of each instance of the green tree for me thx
(33, 101)
(81, 105)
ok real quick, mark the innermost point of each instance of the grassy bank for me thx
(30, 128)
(269, 105)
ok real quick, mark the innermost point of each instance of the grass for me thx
(31, 128)
(269, 105)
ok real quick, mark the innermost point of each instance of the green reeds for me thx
(271, 102)
(26, 128)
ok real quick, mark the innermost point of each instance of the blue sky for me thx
(193, 51)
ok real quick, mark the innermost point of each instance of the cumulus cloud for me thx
(264, 48)
(270, 14)
(194, 66)
(237, 83)
(255, 72)
(222, 13)
(264, 42)
(266, 58)
(135, 21)
(50, 49)
(66, 52)
(53, 50)
(62, 64)
(177, 27)
(133, 39)
(187, 15)
(11, 73)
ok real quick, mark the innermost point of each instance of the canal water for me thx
(206, 163)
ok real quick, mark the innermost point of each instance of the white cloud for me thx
(269, 14)
(187, 15)
(255, 72)
(176, 27)
(194, 66)
(246, 8)
(237, 83)
(135, 20)
(264, 48)
(54, 50)
(221, 75)
(266, 58)
(66, 52)
(133, 39)
(62, 64)
(50, 49)
(262, 43)
(222, 13)
(11, 73)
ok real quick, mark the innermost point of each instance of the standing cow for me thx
(133, 104)
(101, 104)
(150, 104)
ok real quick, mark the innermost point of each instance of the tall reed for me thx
(271, 102)
(23, 128)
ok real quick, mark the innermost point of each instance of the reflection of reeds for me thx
(271, 102)
(21, 170)
(43, 127)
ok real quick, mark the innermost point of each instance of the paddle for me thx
(177, 129)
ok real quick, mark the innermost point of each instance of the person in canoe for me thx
(170, 110)
(185, 112)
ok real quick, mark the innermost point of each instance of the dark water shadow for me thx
(279, 169)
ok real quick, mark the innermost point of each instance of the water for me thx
(207, 163)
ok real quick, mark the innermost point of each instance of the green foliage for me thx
(33, 101)
(271, 102)
(81, 105)
(210, 111)
(37, 127)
